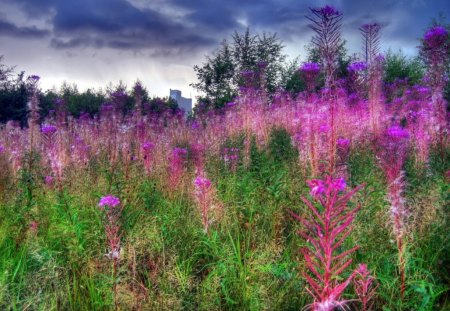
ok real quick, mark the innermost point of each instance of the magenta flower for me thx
(357, 66)
(48, 129)
(2, 149)
(109, 200)
(179, 152)
(436, 36)
(317, 187)
(343, 142)
(325, 128)
(49, 180)
(148, 146)
(310, 68)
(327, 11)
(34, 78)
(339, 184)
(34, 227)
(202, 182)
(398, 133)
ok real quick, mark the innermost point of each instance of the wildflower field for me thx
(334, 198)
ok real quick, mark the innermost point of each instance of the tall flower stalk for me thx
(364, 286)
(394, 146)
(33, 110)
(177, 165)
(112, 210)
(326, 23)
(436, 52)
(204, 199)
(327, 225)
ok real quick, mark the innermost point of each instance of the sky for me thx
(94, 42)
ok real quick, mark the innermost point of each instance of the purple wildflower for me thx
(49, 180)
(179, 152)
(397, 132)
(324, 128)
(317, 187)
(310, 68)
(109, 200)
(357, 66)
(436, 36)
(327, 11)
(48, 129)
(148, 146)
(202, 182)
(343, 142)
(339, 184)
(34, 78)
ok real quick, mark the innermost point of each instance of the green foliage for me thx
(290, 78)
(280, 146)
(220, 77)
(398, 66)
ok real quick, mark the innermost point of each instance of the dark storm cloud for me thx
(10, 30)
(122, 25)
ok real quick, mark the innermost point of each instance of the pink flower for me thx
(48, 129)
(357, 66)
(148, 145)
(310, 68)
(343, 142)
(49, 180)
(339, 184)
(325, 128)
(34, 226)
(317, 187)
(202, 182)
(436, 36)
(398, 132)
(109, 200)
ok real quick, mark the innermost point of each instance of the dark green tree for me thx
(398, 66)
(220, 77)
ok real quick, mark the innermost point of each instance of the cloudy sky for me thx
(93, 42)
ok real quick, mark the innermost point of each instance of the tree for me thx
(13, 95)
(290, 78)
(220, 77)
(216, 76)
(398, 66)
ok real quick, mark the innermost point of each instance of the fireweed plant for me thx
(327, 225)
(112, 212)
(326, 23)
(365, 287)
(394, 145)
(203, 197)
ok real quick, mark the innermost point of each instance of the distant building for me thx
(183, 103)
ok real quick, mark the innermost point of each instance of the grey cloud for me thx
(12, 30)
(118, 24)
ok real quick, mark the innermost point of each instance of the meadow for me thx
(329, 199)
(204, 219)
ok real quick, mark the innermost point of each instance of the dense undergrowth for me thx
(248, 261)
